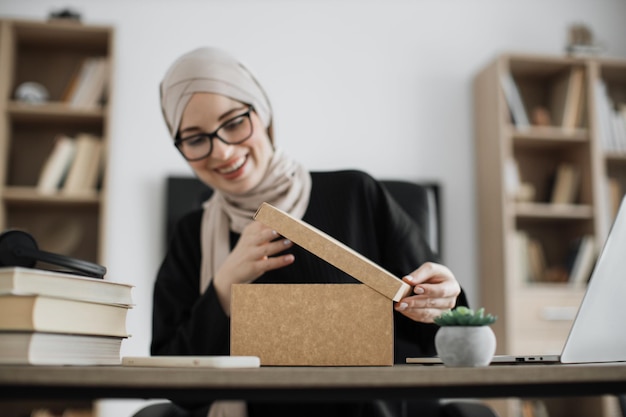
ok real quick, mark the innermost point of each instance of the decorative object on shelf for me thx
(32, 93)
(465, 338)
(581, 41)
(541, 116)
(65, 14)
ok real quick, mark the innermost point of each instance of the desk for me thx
(310, 383)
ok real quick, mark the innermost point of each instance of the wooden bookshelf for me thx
(50, 54)
(536, 312)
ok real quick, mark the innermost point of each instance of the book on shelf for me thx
(31, 281)
(574, 108)
(84, 171)
(582, 114)
(521, 266)
(615, 193)
(514, 100)
(537, 265)
(38, 348)
(61, 315)
(566, 99)
(584, 258)
(619, 127)
(57, 165)
(566, 184)
(603, 111)
(530, 262)
(611, 117)
(87, 86)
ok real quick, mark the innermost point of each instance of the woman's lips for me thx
(234, 168)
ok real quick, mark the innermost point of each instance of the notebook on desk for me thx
(597, 333)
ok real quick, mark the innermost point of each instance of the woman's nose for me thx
(221, 150)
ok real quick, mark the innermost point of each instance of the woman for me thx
(221, 122)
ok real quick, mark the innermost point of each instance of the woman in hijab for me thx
(220, 120)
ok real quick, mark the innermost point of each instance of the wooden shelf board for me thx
(53, 110)
(553, 211)
(524, 64)
(557, 288)
(549, 134)
(61, 32)
(30, 195)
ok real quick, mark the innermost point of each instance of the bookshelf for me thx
(53, 54)
(525, 134)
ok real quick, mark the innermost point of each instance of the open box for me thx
(309, 324)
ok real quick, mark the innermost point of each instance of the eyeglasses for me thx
(232, 132)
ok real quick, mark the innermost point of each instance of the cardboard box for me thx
(317, 324)
(312, 324)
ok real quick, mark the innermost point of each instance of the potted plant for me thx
(465, 338)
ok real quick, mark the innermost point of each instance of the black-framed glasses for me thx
(232, 132)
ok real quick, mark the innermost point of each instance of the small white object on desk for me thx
(193, 361)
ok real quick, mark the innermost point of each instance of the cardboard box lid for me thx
(333, 252)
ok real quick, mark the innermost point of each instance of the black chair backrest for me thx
(420, 200)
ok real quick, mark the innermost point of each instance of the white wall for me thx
(380, 85)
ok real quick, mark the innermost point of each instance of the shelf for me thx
(527, 248)
(53, 111)
(30, 196)
(553, 211)
(549, 134)
(66, 34)
(554, 289)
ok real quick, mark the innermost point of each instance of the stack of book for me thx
(87, 87)
(74, 165)
(58, 318)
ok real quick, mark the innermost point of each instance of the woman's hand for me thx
(435, 290)
(252, 257)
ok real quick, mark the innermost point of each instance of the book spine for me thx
(56, 167)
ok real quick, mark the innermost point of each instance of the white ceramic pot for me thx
(465, 346)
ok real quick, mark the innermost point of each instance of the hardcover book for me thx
(31, 281)
(35, 348)
(59, 315)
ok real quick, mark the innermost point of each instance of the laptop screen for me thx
(598, 332)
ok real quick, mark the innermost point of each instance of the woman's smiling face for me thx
(231, 168)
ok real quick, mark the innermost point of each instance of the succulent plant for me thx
(463, 316)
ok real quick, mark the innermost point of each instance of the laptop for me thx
(597, 333)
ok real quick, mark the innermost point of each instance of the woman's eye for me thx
(195, 140)
(234, 124)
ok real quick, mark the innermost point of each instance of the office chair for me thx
(420, 200)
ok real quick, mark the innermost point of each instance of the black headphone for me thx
(18, 248)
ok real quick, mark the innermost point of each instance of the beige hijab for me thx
(209, 70)
(286, 184)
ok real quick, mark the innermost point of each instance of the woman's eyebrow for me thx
(219, 119)
(230, 112)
